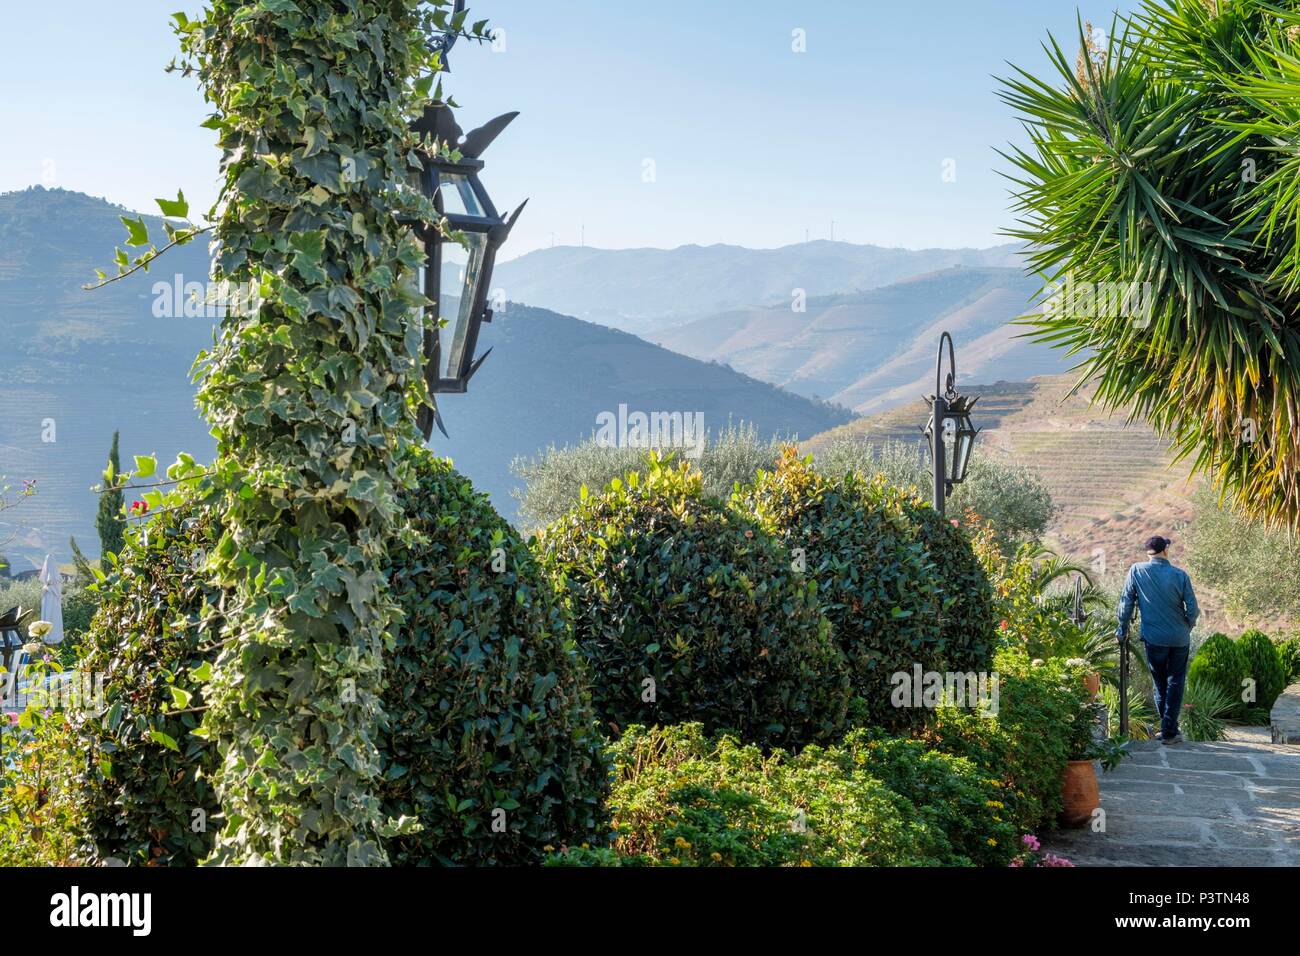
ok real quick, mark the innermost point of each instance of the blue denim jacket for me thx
(1163, 595)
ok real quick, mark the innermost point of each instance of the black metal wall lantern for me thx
(949, 422)
(449, 179)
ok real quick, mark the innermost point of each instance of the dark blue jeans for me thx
(1168, 666)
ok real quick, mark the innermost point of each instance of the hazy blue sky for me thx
(751, 142)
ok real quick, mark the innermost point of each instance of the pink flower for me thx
(955, 523)
(1031, 841)
(1051, 859)
(1016, 862)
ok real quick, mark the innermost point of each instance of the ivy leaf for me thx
(145, 466)
(316, 141)
(225, 547)
(175, 209)
(181, 698)
(137, 232)
(323, 169)
(309, 249)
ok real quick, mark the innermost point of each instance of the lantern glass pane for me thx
(965, 441)
(454, 337)
(457, 195)
(949, 446)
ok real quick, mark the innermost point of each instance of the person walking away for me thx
(1163, 597)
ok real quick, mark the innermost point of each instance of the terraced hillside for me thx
(905, 422)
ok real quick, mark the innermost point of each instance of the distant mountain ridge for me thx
(649, 290)
(91, 363)
(871, 350)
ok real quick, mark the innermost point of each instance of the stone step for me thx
(1233, 802)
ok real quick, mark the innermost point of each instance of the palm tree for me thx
(1161, 165)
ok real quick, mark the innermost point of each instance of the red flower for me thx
(1003, 626)
(139, 507)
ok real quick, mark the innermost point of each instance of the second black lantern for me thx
(449, 179)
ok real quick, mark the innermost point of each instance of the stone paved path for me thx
(1235, 802)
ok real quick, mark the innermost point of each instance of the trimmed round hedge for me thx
(490, 744)
(144, 779)
(1264, 664)
(1219, 662)
(686, 612)
(491, 740)
(900, 585)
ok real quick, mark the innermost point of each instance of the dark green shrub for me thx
(681, 799)
(966, 616)
(79, 606)
(1288, 654)
(686, 612)
(1264, 665)
(1220, 662)
(900, 585)
(482, 689)
(1027, 743)
(145, 776)
(488, 715)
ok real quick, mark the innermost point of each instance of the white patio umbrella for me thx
(52, 601)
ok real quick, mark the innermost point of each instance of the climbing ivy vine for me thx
(311, 392)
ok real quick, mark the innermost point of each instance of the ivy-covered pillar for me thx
(311, 395)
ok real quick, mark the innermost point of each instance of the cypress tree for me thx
(110, 522)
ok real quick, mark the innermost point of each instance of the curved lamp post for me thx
(949, 424)
(450, 164)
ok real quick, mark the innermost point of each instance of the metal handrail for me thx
(1123, 687)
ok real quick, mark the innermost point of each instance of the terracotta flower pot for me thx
(1092, 681)
(1079, 793)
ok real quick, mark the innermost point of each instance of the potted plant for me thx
(1091, 677)
(1080, 795)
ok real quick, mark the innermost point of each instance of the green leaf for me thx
(167, 741)
(309, 250)
(145, 466)
(175, 209)
(137, 232)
